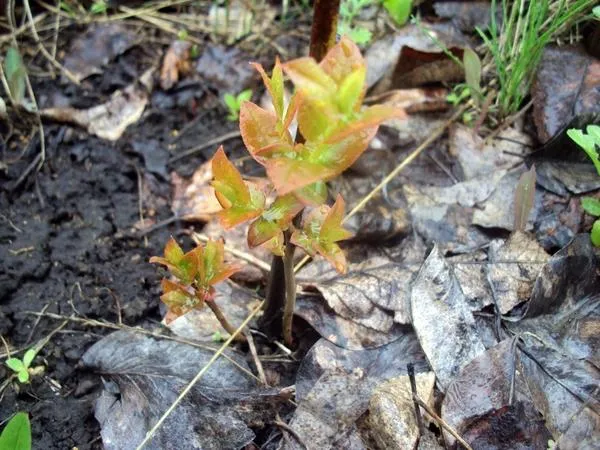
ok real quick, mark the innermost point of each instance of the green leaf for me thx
(98, 7)
(472, 65)
(350, 92)
(231, 102)
(596, 11)
(244, 96)
(594, 131)
(313, 194)
(240, 201)
(310, 79)
(591, 206)
(399, 10)
(28, 357)
(596, 233)
(259, 129)
(274, 220)
(587, 143)
(17, 433)
(360, 35)
(23, 376)
(15, 74)
(15, 364)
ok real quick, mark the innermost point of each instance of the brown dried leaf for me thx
(176, 63)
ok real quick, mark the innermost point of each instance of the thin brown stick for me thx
(223, 320)
(43, 50)
(442, 423)
(286, 428)
(208, 144)
(324, 27)
(255, 357)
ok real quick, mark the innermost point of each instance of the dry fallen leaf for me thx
(108, 120)
(175, 63)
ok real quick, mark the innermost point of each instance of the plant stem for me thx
(223, 321)
(270, 322)
(322, 38)
(290, 291)
(324, 27)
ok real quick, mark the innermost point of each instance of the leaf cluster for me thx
(335, 131)
(234, 103)
(590, 144)
(21, 366)
(194, 275)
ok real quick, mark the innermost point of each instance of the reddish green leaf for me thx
(351, 91)
(370, 117)
(214, 269)
(274, 220)
(276, 245)
(313, 194)
(321, 230)
(274, 85)
(342, 59)
(288, 174)
(316, 119)
(310, 79)
(241, 201)
(180, 265)
(259, 128)
(178, 299)
(341, 154)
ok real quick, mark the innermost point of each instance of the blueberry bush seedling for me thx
(22, 367)
(195, 273)
(334, 130)
(590, 144)
(234, 103)
(16, 435)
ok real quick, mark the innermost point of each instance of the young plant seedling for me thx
(590, 144)
(234, 103)
(349, 9)
(22, 367)
(17, 433)
(335, 130)
(194, 275)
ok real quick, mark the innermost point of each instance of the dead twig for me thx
(208, 144)
(441, 422)
(257, 362)
(287, 429)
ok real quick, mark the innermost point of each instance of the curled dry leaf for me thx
(176, 63)
(111, 119)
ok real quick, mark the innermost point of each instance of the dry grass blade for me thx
(524, 198)
(198, 376)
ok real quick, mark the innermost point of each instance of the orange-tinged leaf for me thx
(351, 91)
(214, 267)
(178, 299)
(342, 59)
(276, 244)
(292, 109)
(288, 174)
(331, 230)
(241, 201)
(320, 232)
(369, 118)
(316, 119)
(259, 128)
(274, 85)
(274, 220)
(313, 194)
(341, 154)
(310, 79)
(173, 252)
(228, 183)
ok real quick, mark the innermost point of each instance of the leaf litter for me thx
(502, 331)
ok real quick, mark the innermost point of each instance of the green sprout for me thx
(22, 367)
(349, 9)
(99, 7)
(590, 143)
(399, 10)
(234, 103)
